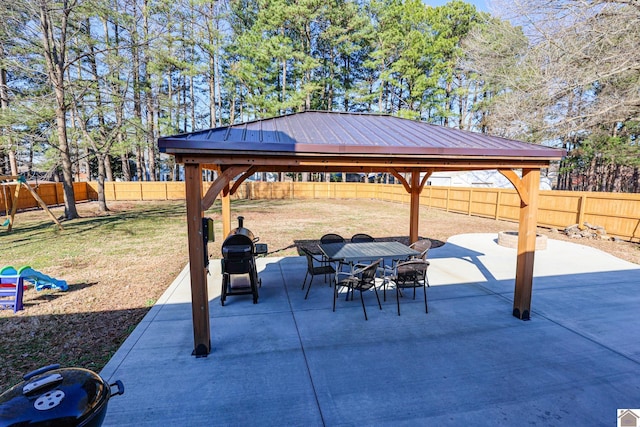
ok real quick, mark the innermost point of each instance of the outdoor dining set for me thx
(361, 263)
(364, 263)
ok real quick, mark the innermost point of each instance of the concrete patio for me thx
(290, 361)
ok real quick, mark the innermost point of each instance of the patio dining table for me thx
(366, 251)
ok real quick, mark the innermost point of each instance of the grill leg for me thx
(223, 293)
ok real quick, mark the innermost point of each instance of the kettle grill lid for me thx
(65, 396)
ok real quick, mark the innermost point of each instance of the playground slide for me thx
(40, 281)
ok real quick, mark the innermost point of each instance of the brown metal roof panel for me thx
(330, 132)
(362, 131)
(381, 131)
(336, 132)
(278, 149)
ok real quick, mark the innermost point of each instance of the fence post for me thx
(470, 199)
(447, 201)
(498, 200)
(581, 208)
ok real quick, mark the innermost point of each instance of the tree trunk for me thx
(212, 102)
(284, 83)
(4, 105)
(448, 104)
(137, 97)
(108, 168)
(148, 93)
(55, 61)
(70, 211)
(102, 201)
(140, 168)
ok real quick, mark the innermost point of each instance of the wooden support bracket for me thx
(222, 181)
(242, 179)
(426, 176)
(403, 181)
(517, 183)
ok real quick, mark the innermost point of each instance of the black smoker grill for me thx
(239, 274)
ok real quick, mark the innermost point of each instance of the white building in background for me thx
(481, 179)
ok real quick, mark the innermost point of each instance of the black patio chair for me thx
(411, 274)
(332, 238)
(361, 237)
(422, 246)
(315, 267)
(361, 279)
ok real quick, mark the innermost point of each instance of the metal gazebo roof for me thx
(348, 142)
(331, 133)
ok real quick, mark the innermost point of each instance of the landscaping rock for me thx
(589, 231)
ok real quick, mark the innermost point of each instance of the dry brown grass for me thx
(118, 265)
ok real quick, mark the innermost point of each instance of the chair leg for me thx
(377, 297)
(426, 309)
(363, 307)
(309, 287)
(335, 295)
(398, 298)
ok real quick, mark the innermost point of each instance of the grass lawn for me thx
(118, 264)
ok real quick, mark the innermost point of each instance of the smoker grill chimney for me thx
(240, 222)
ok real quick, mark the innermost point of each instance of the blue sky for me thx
(481, 5)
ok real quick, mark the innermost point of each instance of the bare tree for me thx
(564, 72)
(54, 23)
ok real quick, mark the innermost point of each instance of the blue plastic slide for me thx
(40, 281)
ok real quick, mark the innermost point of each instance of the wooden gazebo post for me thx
(415, 189)
(226, 211)
(528, 188)
(197, 268)
(414, 216)
(526, 243)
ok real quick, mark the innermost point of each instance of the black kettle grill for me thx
(54, 396)
(239, 273)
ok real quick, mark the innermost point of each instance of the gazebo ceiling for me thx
(316, 140)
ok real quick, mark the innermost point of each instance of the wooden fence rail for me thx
(618, 213)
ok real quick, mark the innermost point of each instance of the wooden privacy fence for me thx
(51, 194)
(618, 213)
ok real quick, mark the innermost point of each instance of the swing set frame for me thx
(19, 182)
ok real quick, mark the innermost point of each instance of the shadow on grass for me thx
(47, 295)
(43, 231)
(81, 339)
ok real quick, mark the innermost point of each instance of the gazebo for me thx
(315, 141)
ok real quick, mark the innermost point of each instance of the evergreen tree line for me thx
(87, 86)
